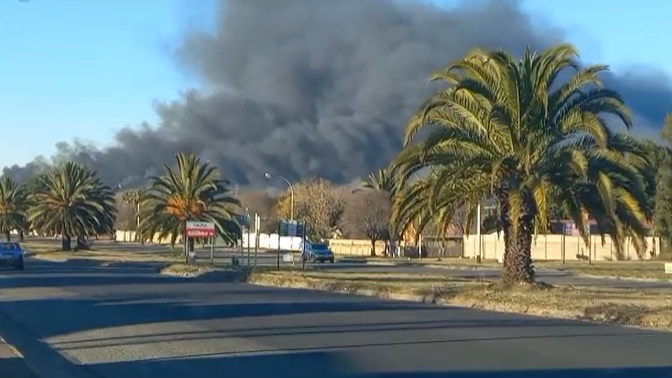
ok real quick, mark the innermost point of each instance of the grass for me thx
(619, 269)
(190, 270)
(110, 252)
(643, 308)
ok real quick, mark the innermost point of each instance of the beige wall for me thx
(550, 247)
(350, 247)
(355, 247)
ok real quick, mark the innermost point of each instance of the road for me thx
(83, 321)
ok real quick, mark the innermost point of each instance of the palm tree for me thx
(512, 128)
(12, 207)
(192, 191)
(69, 200)
(382, 180)
(132, 197)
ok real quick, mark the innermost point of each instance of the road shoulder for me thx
(38, 357)
(12, 364)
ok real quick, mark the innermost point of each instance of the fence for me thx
(559, 247)
(266, 241)
(544, 247)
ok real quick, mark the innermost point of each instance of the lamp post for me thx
(291, 192)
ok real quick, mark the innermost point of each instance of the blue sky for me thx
(84, 68)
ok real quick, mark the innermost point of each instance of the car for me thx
(317, 252)
(11, 254)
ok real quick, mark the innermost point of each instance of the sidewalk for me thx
(11, 363)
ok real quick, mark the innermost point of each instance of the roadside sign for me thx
(201, 230)
(243, 219)
(291, 228)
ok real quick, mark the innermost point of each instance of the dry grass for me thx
(187, 270)
(619, 269)
(108, 252)
(643, 308)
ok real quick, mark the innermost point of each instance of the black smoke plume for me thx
(320, 87)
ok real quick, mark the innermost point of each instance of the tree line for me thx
(532, 134)
(71, 202)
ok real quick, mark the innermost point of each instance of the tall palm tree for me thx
(191, 191)
(13, 205)
(71, 201)
(514, 129)
(384, 180)
(133, 197)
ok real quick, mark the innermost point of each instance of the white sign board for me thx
(288, 257)
(201, 229)
(204, 225)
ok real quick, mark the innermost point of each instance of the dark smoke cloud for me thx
(316, 87)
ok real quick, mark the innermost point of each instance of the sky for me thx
(82, 69)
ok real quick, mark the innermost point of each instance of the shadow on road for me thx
(14, 367)
(107, 297)
(333, 365)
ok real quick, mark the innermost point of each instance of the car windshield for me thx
(10, 246)
(320, 247)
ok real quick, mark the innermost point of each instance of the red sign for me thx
(201, 230)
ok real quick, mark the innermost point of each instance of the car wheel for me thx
(19, 266)
(331, 261)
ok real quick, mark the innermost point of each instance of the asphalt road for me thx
(133, 323)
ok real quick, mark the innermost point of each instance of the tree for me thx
(126, 214)
(133, 197)
(514, 129)
(261, 203)
(382, 180)
(69, 200)
(367, 213)
(663, 190)
(13, 205)
(191, 191)
(317, 203)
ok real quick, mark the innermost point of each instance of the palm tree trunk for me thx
(8, 236)
(517, 267)
(65, 242)
(22, 236)
(373, 247)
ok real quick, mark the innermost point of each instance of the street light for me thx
(291, 192)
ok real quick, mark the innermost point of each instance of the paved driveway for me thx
(132, 323)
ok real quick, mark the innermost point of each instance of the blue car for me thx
(11, 254)
(317, 252)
